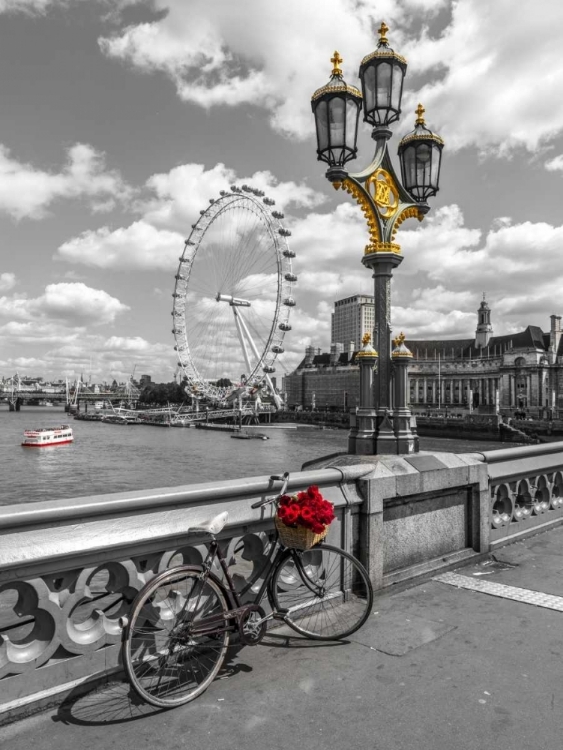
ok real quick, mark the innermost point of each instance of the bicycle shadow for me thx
(117, 702)
(290, 640)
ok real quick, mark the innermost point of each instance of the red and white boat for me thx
(44, 436)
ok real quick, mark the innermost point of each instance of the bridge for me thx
(70, 568)
(14, 393)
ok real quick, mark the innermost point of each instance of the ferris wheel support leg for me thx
(277, 399)
(249, 338)
(241, 328)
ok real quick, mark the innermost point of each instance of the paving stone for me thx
(526, 596)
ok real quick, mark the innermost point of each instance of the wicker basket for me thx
(298, 537)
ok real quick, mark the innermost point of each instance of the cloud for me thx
(555, 164)
(138, 246)
(78, 303)
(7, 281)
(180, 195)
(95, 357)
(69, 303)
(175, 201)
(485, 91)
(31, 7)
(251, 53)
(27, 192)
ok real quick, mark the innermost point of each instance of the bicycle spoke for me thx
(177, 638)
(326, 592)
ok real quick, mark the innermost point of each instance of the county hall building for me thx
(516, 372)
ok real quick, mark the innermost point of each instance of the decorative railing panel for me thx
(526, 486)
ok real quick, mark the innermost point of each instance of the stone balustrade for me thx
(69, 569)
(526, 489)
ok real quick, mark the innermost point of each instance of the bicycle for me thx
(181, 621)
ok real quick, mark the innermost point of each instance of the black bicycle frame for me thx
(210, 624)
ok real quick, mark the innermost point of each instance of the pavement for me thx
(437, 667)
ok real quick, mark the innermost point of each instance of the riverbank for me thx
(473, 427)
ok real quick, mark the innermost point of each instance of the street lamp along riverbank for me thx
(382, 423)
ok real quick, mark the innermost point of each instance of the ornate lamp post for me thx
(386, 202)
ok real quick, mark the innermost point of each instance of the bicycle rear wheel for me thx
(170, 654)
(326, 592)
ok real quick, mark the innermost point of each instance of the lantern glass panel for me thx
(383, 85)
(369, 88)
(397, 87)
(337, 113)
(409, 167)
(321, 120)
(352, 113)
(423, 168)
(436, 159)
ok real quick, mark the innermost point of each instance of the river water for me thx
(107, 458)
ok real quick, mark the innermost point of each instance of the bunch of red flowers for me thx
(308, 509)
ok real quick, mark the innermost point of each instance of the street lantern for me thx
(382, 422)
(382, 73)
(336, 107)
(420, 155)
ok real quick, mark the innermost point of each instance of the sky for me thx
(121, 119)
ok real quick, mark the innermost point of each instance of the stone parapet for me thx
(69, 569)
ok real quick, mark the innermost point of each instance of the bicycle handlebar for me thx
(273, 498)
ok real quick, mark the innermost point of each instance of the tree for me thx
(223, 383)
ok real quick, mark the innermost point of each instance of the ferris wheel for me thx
(232, 297)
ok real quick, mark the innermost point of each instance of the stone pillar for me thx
(407, 441)
(362, 433)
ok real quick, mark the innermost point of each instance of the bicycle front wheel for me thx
(324, 592)
(177, 637)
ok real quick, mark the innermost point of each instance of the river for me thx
(107, 458)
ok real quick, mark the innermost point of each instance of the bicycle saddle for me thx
(214, 526)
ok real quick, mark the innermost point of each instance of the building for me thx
(514, 372)
(352, 317)
(520, 372)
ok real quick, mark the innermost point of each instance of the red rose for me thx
(285, 500)
(290, 517)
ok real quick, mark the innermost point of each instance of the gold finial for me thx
(399, 340)
(419, 112)
(366, 338)
(382, 30)
(336, 60)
